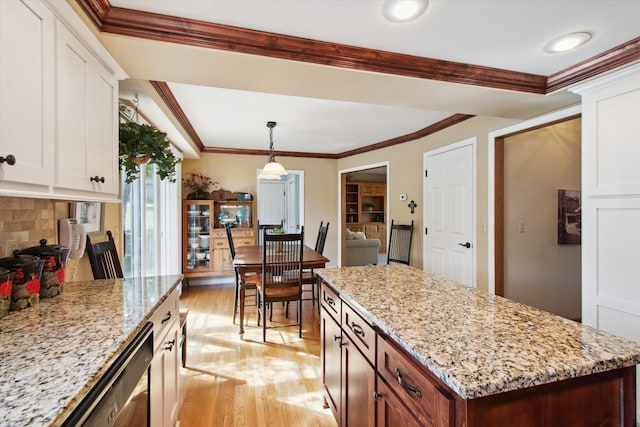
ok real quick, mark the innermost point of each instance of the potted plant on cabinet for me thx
(142, 143)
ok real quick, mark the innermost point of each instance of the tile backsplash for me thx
(26, 221)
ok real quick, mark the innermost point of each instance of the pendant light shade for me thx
(273, 169)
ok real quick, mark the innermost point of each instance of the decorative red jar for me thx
(54, 258)
(26, 270)
(6, 279)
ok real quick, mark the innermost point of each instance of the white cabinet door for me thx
(86, 119)
(165, 377)
(103, 131)
(27, 88)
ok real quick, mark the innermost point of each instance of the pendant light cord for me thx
(272, 155)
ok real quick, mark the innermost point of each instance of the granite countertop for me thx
(477, 343)
(53, 353)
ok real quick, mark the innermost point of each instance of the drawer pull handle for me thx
(377, 395)
(167, 318)
(407, 387)
(336, 337)
(329, 300)
(357, 329)
(170, 345)
(97, 179)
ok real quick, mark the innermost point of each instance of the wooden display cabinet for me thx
(205, 248)
(196, 240)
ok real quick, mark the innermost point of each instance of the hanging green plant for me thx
(142, 143)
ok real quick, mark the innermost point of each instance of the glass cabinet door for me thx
(197, 249)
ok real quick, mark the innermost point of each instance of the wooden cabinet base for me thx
(606, 399)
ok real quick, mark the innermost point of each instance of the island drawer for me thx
(431, 405)
(330, 302)
(164, 316)
(360, 332)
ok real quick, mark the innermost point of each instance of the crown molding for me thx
(192, 32)
(615, 58)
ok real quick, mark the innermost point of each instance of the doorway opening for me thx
(364, 206)
(528, 261)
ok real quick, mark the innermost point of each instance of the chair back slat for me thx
(104, 259)
(400, 238)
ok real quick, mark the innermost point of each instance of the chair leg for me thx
(264, 321)
(300, 318)
(235, 301)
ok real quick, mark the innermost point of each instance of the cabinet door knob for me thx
(9, 159)
(377, 395)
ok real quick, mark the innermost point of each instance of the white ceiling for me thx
(228, 97)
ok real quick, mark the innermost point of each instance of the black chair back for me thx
(400, 243)
(104, 260)
(263, 227)
(322, 237)
(282, 260)
(232, 248)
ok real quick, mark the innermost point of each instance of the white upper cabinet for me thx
(86, 107)
(59, 105)
(27, 93)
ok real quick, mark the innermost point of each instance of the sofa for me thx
(360, 250)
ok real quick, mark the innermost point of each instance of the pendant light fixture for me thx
(273, 169)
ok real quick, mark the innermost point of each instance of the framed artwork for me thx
(569, 217)
(91, 214)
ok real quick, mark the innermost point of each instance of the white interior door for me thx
(272, 202)
(449, 212)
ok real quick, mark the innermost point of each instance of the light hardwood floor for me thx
(234, 380)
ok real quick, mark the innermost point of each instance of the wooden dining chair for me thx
(281, 276)
(104, 259)
(250, 280)
(309, 277)
(105, 264)
(400, 243)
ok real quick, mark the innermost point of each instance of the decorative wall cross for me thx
(412, 206)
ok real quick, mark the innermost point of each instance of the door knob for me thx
(466, 245)
(10, 159)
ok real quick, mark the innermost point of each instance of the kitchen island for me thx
(478, 358)
(52, 354)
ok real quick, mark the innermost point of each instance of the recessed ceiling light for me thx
(403, 10)
(567, 42)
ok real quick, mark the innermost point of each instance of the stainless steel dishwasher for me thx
(121, 396)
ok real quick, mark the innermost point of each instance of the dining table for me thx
(248, 259)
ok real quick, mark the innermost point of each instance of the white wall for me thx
(537, 270)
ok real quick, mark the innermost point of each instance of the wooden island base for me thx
(369, 379)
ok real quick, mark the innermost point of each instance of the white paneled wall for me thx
(611, 203)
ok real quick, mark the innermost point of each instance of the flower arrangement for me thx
(198, 182)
